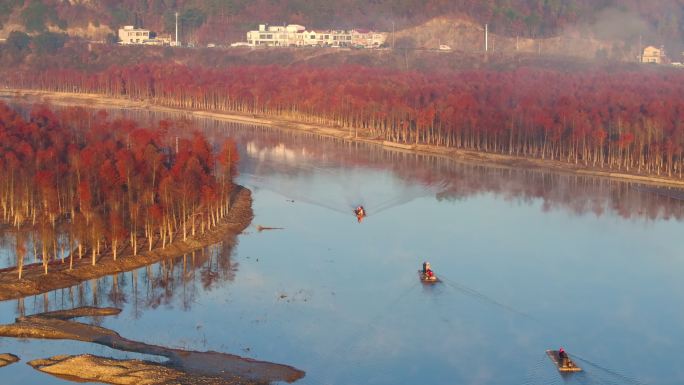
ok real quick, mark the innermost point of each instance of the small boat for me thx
(360, 213)
(570, 367)
(424, 278)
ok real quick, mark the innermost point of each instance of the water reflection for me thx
(175, 282)
(268, 153)
(534, 260)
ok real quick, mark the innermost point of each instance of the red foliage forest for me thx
(78, 181)
(632, 121)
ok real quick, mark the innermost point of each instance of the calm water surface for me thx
(529, 261)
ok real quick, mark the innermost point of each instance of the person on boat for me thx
(562, 358)
(360, 213)
(428, 274)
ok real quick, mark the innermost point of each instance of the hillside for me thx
(465, 36)
(43, 52)
(657, 22)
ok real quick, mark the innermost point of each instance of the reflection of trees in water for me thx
(172, 282)
(455, 180)
(579, 195)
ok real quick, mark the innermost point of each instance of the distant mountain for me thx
(657, 22)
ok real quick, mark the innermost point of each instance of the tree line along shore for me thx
(621, 122)
(76, 186)
(622, 138)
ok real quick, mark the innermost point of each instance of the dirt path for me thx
(34, 281)
(500, 160)
(223, 368)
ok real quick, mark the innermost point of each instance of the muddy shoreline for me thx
(498, 160)
(183, 366)
(34, 281)
(90, 368)
(7, 359)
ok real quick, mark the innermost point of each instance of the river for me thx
(528, 261)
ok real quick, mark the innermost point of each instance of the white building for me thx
(131, 35)
(341, 38)
(294, 35)
(276, 35)
(654, 55)
(367, 39)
